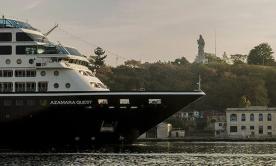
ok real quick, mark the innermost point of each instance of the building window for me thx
(269, 117)
(20, 87)
(21, 36)
(19, 73)
(251, 127)
(7, 73)
(30, 86)
(233, 129)
(243, 117)
(56, 73)
(269, 133)
(261, 131)
(5, 50)
(251, 117)
(43, 86)
(56, 85)
(233, 117)
(43, 73)
(31, 73)
(220, 124)
(26, 50)
(4, 37)
(67, 85)
(6, 87)
(260, 117)
(243, 127)
(269, 127)
(8, 61)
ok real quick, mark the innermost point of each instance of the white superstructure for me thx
(29, 62)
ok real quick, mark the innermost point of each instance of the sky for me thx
(151, 30)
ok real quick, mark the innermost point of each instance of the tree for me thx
(133, 63)
(261, 55)
(244, 102)
(238, 58)
(212, 58)
(181, 61)
(98, 60)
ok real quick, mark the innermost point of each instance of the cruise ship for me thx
(49, 95)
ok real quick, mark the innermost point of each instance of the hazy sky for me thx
(150, 30)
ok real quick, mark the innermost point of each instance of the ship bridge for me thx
(10, 23)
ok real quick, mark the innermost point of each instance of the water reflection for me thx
(149, 153)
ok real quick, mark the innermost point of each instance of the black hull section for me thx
(85, 118)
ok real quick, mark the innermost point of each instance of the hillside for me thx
(225, 85)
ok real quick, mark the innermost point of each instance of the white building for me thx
(220, 129)
(162, 130)
(177, 133)
(254, 121)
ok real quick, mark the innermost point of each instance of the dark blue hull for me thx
(85, 118)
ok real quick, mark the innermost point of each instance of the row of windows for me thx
(23, 73)
(27, 86)
(234, 129)
(97, 85)
(23, 86)
(21, 36)
(86, 73)
(78, 62)
(233, 117)
(28, 50)
(253, 127)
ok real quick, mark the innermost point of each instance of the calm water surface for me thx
(149, 153)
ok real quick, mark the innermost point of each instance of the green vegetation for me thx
(261, 55)
(227, 85)
(98, 59)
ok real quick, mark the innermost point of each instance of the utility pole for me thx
(215, 42)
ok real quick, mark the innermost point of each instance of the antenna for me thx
(51, 30)
(199, 83)
(215, 42)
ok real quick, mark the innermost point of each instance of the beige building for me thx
(254, 121)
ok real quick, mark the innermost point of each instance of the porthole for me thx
(18, 61)
(56, 85)
(31, 61)
(42, 73)
(8, 61)
(56, 73)
(67, 85)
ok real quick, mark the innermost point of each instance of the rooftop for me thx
(253, 108)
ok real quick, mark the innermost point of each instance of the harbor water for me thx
(149, 153)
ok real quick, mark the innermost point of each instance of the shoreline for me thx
(206, 140)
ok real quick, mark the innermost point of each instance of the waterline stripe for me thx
(144, 154)
(105, 94)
